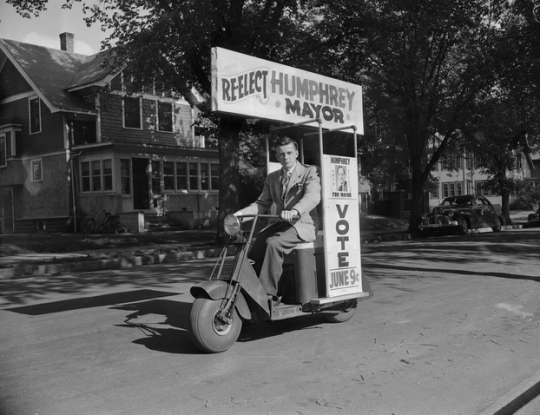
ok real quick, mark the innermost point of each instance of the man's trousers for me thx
(268, 253)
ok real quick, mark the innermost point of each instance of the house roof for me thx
(52, 73)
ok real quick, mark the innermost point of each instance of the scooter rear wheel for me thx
(344, 312)
(207, 331)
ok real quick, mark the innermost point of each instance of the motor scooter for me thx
(235, 294)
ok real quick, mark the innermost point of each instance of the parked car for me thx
(462, 213)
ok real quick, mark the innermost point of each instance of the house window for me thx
(9, 146)
(107, 175)
(84, 132)
(156, 186)
(193, 176)
(36, 167)
(3, 151)
(132, 113)
(165, 116)
(181, 176)
(452, 189)
(214, 176)
(483, 189)
(96, 176)
(205, 177)
(434, 194)
(451, 162)
(85, 176)
(209, 176)
(125, 176)
(35, 115)
(469, 187)
(168, 175)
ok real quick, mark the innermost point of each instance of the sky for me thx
(45, 29)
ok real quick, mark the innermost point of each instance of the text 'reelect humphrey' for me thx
(302, 96)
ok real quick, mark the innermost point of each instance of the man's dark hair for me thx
(283, 141)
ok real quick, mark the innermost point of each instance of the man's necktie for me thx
(284, 182)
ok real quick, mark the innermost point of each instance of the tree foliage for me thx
(422, 63)
(437, 74)
(504, 129)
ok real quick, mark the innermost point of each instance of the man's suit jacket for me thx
(303, 194)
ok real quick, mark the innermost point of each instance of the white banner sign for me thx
(341, 226)
(256, 88)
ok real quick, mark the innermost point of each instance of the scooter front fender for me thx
(216, 290)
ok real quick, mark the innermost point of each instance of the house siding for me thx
(47, 198)
(112, 127)
(11, 81)
(51, 137)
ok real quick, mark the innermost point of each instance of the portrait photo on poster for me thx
(341, 182)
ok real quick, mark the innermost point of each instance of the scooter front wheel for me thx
(208, 332)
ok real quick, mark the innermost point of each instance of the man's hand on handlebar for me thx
(289, 215)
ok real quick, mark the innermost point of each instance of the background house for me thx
(74, 138)
(457, 175)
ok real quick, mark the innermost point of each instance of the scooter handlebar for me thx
(264, 215)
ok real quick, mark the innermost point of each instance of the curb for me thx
(30, 270)
(516, 399)
(375, 239)
(114, 263)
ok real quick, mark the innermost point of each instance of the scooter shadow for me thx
(253, 331)
(165, 325)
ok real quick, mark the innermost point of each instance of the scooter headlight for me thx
(231, 225)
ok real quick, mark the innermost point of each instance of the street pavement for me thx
(452, 329)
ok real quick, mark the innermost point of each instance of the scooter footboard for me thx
(217, 290)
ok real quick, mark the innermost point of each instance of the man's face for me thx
(287, 155)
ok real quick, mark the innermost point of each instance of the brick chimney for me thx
(66, 41)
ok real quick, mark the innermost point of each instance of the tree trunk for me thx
(229, 171)
(417, 184)
(505, 204)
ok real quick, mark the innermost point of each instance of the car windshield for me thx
(457, 200)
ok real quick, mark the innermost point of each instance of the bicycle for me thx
(110, 223)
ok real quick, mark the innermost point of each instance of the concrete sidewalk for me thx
(28, 265)
(34, 264)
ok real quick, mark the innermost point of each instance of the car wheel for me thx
(497, 226)
(463, 226)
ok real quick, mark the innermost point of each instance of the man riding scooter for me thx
(295, 189)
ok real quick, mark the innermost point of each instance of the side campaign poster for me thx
(341, 226)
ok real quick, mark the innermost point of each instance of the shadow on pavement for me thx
(25, 290)
(88, 302)
(456, 271)
(163, 323)
(165, 326)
